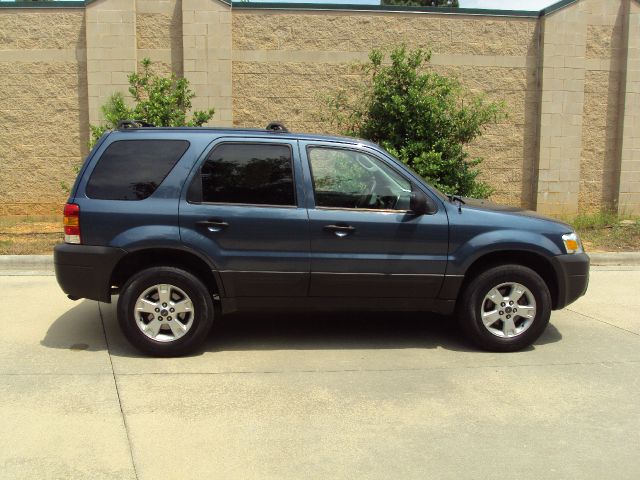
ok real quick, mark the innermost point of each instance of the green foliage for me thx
(423, 3)
(419, 116)
(162, 101)
(607, 231)
(603, 219)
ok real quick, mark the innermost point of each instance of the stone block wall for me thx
(569, 78)
(629, 189)
(43, 107)
(207, 56)
(287, 64)
(159, 34)
(561, 108)
(604, 65)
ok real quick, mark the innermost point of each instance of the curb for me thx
(26, 265)
(26, 262)
(17, 263)
(615, 259)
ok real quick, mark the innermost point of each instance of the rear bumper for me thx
(84, 271)
(572, 272)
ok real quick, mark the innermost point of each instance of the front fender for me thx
(473, 248)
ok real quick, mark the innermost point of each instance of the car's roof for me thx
(254, 132)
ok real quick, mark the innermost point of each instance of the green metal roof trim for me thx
(556, 6)
(65, 4)
(59, 4)
(398, 8)
(87, 2)
(328, 6)
(384, 8)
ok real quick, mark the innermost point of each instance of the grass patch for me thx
(30, 245)
(30, 235)
(29, 220)
(608, 232)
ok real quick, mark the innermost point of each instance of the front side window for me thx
(352, 179)
(256, 174)
(133, 169)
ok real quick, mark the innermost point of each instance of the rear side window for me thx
(256, 174)
(133, 169)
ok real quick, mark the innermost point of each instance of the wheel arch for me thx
(138, 260)
(535, 261)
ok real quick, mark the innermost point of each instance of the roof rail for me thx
(277, 127)
(122, 124)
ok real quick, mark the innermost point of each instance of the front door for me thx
(365, 241)
(244, 209)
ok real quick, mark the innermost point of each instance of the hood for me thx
(486, 205)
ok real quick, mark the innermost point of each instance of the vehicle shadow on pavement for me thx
(335, 331)
(355, 330)
(79, 328)
(268, 331)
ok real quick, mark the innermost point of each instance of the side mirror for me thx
(419, 203)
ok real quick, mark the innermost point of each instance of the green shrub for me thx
(162, 101)
(423, 118)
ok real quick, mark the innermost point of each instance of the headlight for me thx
(572, 243)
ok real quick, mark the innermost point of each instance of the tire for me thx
(178, 329)
(532, 308)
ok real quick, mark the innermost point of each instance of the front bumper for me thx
(84, 271)
(572, 272)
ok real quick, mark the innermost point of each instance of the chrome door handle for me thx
(213, 225)
(339, 230)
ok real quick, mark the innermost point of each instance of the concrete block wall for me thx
(601, 131)
(159, 34)
(629, 191)
(286, 63)
(562, 103)
(570, 79)
(187, 37)
(207, 56)
(111, 50)
(43, 106)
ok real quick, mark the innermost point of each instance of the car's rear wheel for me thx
(505, 308)
(165, 311)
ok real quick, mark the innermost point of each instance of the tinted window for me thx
(133, 169)
(352, 179)
(256, 174)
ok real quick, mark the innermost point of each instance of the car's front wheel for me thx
(165, 311)
(505, 308)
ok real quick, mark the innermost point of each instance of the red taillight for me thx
(71, 223)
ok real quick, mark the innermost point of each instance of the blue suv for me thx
(188, 223)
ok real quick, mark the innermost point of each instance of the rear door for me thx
(364, 240)
(244, 208)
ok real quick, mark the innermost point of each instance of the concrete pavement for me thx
(361, 396)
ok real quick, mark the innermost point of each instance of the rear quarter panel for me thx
(133, 224)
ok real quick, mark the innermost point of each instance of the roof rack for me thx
(277, 127)
(122, 124)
